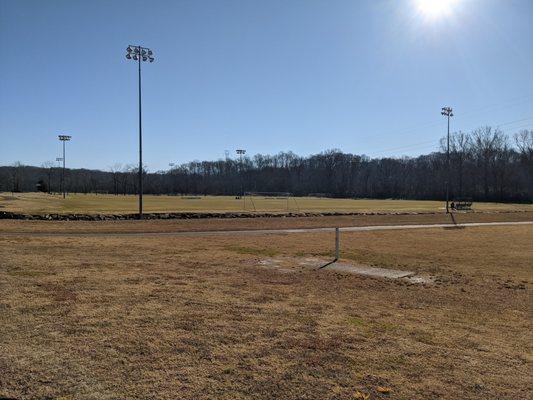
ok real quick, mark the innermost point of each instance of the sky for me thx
(365, 77)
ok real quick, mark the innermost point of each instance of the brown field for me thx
(41, 203)
(221, 224)
(197, 317)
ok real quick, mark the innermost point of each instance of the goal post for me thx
(270, 201)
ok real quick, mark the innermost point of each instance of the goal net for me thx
(270, 201)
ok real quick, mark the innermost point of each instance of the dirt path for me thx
(268, 231)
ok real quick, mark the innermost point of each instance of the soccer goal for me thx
(270, 201)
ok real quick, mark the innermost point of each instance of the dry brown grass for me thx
(197, 318)
(41, 203)
(215, 224)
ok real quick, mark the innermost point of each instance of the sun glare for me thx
(435, 9)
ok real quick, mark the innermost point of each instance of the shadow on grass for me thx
(454, 222)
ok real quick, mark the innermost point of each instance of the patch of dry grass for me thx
(195, 317)
(221, 224)
(41, 203)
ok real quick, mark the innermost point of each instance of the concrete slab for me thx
(370, 271)
(295, 264)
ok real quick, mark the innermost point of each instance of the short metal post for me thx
(337, 243)
(337, 249)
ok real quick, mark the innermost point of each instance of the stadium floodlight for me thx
(241, 153)
(63, 138)
(447, 112)
(139, 53)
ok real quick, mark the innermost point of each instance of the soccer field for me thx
(40, 203)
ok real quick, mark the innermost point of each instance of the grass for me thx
(266, 252)
(371, 328)
(39, 203)
(149, 317)
(216, 224)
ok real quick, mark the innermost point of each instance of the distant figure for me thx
(453, 205)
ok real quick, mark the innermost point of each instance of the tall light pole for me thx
(59, 159)
(172, 166)
(241, 153)
(447, 112)
(139, 53)
(63, 138)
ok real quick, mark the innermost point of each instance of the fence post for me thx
(337, 243)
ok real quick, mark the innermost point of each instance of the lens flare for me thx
(435, 9)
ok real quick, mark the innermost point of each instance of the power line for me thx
(510, 103)
(473, 112)
(513, 122)
(424, 144)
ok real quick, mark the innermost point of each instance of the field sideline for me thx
(39, 203)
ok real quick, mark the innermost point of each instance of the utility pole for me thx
(139, 53)
(63, 138)
(447, 112)
(59, 159)
(172, 167)
(241, 153)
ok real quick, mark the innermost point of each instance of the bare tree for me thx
(17, 177)
(460, 150)
(524, 142)
(49, 167)
(486, 143)
(483, 164)
(115, 171)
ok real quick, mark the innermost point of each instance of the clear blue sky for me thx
(367, 77)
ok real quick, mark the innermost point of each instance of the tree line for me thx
(485, 165)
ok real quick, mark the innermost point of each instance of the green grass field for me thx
(39, 203)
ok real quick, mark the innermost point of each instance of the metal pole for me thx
(337, 243)
(140, 54)
(448, 168)
(242, 177)
(337, 249)
(63, 172)
(140, 144)
(59, 167)
(241, 152)
(242, 186)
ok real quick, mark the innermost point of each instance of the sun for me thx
(435, 9)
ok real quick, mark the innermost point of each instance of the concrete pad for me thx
(376, 272)
(370, 271)
(295, 264)
(275, 264)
